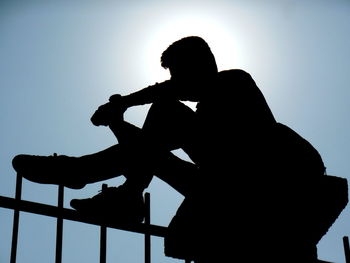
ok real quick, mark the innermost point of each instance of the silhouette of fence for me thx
(61, 213)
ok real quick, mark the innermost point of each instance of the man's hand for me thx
(116, 99)
(110, 112)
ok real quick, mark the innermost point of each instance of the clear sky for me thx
(59, 60)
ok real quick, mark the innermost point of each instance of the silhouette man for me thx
(244, 164)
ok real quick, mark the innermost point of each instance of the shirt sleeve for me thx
(160, 91)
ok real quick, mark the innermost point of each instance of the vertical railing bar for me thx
(346, 249)
(103, 244)
(16, 220)
(59, 226)
(147, 223)
(103, 237)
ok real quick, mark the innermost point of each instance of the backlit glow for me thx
(220, 39)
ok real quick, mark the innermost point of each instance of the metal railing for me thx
(61, 213)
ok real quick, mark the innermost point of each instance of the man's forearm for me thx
(150, 94)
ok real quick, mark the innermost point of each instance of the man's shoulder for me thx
(237, 76)
(234, 73)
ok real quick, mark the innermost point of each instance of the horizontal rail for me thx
(73, 215)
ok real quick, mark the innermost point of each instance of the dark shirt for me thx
(232, 97)
(233, 118)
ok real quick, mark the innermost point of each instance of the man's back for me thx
(233, 120)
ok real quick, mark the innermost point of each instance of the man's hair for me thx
(191, 50)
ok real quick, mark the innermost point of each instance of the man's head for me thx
(189, 58)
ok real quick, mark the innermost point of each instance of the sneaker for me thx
(55, 169)
(113, 205)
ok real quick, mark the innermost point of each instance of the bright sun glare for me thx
(219, 38)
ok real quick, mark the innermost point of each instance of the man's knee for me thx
(169, 123)
(169, 111)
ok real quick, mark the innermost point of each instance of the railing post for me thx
(346, 249)
(147, 223)
(16, 219)
(103, 237)
(103, 244)
(59, 226)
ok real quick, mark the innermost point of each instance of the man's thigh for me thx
(171, 124)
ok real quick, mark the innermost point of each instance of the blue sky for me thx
(59, 60)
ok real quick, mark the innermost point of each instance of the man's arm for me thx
(118, 104)
(150, 94)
